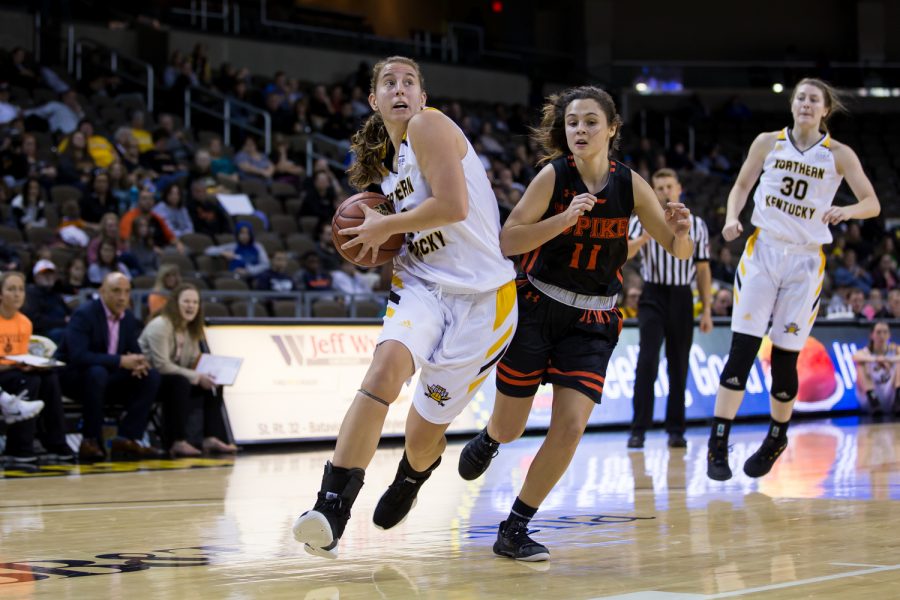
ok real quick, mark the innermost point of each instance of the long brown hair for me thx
(833, 99)
(550, 135)
(369, 144)
(172, 312)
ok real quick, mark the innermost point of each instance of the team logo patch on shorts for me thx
(437, 393)
(791, 328)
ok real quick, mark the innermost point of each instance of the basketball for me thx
(350, 214)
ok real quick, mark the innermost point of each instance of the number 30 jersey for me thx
(586, 258)
(795, 189)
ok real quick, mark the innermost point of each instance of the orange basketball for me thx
(350, 214)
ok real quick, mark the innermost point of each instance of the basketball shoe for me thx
(320, 529)
(717, 460)
(762, 460)
(513, 542)
(400, 497)
(477, 455)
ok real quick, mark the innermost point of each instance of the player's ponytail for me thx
(369, 144)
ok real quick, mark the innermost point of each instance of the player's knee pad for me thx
(785, 382)
(740, 360)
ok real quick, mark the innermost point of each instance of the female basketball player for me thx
(453, 300)
(571, 229)
(780, 274)
(877, 372)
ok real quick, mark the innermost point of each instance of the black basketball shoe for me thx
(513, 542)
(717, 460)
(400, 497)
(476, 457)
(763, 459)
(321, 528)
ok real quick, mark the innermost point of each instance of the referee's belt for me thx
(573, 299)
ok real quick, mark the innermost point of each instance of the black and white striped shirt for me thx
(660, 267)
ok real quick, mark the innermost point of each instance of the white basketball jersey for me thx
(462, 257)
(795, 189)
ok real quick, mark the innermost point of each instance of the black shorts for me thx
(558, 344)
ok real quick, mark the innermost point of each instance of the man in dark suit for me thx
(100, 348)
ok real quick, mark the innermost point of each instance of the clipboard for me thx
(222, 369)
(34, 361)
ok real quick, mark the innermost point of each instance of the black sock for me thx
(872, 398)
(409, 471)
(720, 429)
(778, 430)
(521, 512)
(342, 481)
(488, 437)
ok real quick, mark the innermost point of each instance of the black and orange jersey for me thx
(586, 258)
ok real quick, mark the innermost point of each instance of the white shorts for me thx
(780, 281)
(456, 339)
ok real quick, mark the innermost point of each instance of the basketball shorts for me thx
(455, 339)
(558, 344)
(780, 281)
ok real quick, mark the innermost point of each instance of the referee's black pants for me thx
(664, 312)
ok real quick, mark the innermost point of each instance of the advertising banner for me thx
(297, 381)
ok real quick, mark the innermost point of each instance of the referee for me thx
(666, 310)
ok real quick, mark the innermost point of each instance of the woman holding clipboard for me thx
(172, 342)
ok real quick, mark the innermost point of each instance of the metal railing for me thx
(117, 61)
(192, 102)
(314, 143)
(200, 14)
(304, 300)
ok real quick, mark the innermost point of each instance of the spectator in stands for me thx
(167, 279)
(9, 112)
(162, 235)
(630, 300)
(15, 332)
(24, 161)
(173, 211)
(300, 123)
(246, 257)
(137, 124)
(142, 246)
(722, 303)
(312, 276)
(173, 341)
(62, 116)
(327, 253)
(206, 212)
(121, 183)
(850, 274)
(45, 305)
(857, 242)
(129, 152)
(104, 362)
(28, 206)
(173, 68)
(349, 280)
(287, 165)
(716, 163)
(75, 162)
(320, 107)
(73, 230)
(320, 198)
(74, 280)
(886, 276)
(19, 72)
(108, 261)
(177, 145)
(160, 161)
(856, 300)
(276, 278)
(722, 268)
(875, 304)
(253, 164)
(200, 63)
(279, 111)
(109, 230)
(201, 170)
(100, 200)
(878, 373)
(891, 310)
(223, 168)
(100, 148)
(678, 158)
(341, 126)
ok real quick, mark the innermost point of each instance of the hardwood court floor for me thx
(628, 525)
